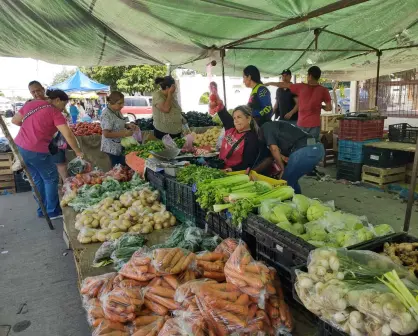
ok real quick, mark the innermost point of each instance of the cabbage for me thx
(316, 243)
(129, 142)
(281, 213)
(335, 221)
(316, 211)
(296, 217)
(383, 230)
(287, 226)
(302, 203)
(299, 228)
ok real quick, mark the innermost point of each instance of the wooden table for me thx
(391, 145)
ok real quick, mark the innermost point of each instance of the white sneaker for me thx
(56, 217)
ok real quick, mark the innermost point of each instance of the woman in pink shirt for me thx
(39, 121)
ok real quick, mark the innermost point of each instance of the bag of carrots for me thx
(148, 325)
(139, 267)
(94, 287)
(109, 328)
(184, 325)
(252, 277)
(211, 265)
(185, 294)
(121, 282)
(172, 260)
(227, 246)
(159, 295)
(122, 304)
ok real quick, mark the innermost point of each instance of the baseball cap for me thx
(286, 72)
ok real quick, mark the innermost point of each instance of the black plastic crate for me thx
(376, 245)
(181, 197)
(325, 329)
(201, 217)
(157, 180)
(22, 185)
(349, 171)
(220, 224)
(385, 158)
(403, 132)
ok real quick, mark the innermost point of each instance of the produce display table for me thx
(401, 146)
(84, 253)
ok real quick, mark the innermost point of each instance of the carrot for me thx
(218, 276)
(166, 261)
(188, 260)
(224, 287)
(252, 310)
(270, 289)
(236, 278)
(142, 269)
(210, 266)
(155, 307)
(172, 281)
(143, 261)
(233, 320)
(228, 306)
(243, 300)
(255, 268)
(251, 291)
(246, 259)
(274, 301)
(145, 312)
(271, 311)
(129, 283)
(96, 312)
(211, 256)
(97, 322)
(282, 310)
(161, 291)
(177, 267)
(166, 302)
(164, 284)
(144, 320)
(177, 256)
(231, 296)
(288, 322)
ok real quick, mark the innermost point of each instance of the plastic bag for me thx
(138, 135)
(172, 260)
(109, 328)
(228, 246)
(139, 266)
(104, 252)
(169, 142)
(122, 304)
(265, 209)
(160, 295)
(78, 166)
(188, 145)
(338, 220)
(148, 325)
(4, 145)
(87, 235)
(220, 139)
(95, 287)
(252, 277)
(211, 265)
(186, 325)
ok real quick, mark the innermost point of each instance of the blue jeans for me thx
(314, 131)
(45, 175)
(301, 162)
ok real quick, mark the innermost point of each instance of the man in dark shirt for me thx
(302, 149)
(286, 106)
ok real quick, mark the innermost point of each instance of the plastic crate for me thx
(201, 217)
(403, 133)
(352, 151)
(219, 223)
(325, 329)
(360, 130)
(376, 245)
(385, 158)
(22, 185)
(180, 197)
(157, 180)
(349, 171)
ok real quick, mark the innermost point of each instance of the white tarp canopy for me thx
(190, 33)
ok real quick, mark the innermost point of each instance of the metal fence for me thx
(397, 94)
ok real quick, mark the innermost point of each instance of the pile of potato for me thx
(135, 211)
(209, 138)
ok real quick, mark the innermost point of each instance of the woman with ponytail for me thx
(242, 141)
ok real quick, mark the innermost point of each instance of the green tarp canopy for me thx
(189, 32)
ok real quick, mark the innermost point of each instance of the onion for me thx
(306, 282)
(356, 320)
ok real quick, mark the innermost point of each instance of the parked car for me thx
(5, 107)
(17, 106)
(137, 107)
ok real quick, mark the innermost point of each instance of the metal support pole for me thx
(168, 65)
(17, 154)
(223, 74)
(411, 193)
(379, 53)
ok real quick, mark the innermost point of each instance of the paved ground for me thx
(38, 281)
(38, 286)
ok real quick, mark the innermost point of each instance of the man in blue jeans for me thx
(302, 149)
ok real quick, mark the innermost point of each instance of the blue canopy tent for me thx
(79, 82)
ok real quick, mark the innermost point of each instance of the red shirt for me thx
(310, 99)
(37, 130)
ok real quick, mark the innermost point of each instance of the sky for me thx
(16, 73)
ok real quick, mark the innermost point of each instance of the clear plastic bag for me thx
(122, 304)
(87, 235)
(109, 328)
(78, 166)
(139, 266)
(148, 325)
(172, 260)
(211, 265)
(185, 325)
(338, 220)
(138, 135)
(95, 287)
(104, 252)
(95, 313)
(169, 142)
(228, 246)
(252, 277)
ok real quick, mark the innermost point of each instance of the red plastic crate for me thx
(360, 130)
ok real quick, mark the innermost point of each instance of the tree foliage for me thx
(62, 76)
(1, 94)
(129, 79)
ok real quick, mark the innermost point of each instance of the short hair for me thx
(115, 96)
(315, 72)
(61, 95)
(164, 82)
(34, 82)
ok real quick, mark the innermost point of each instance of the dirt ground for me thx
(378, 206)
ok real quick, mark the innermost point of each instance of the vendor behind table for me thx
(115, 128)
